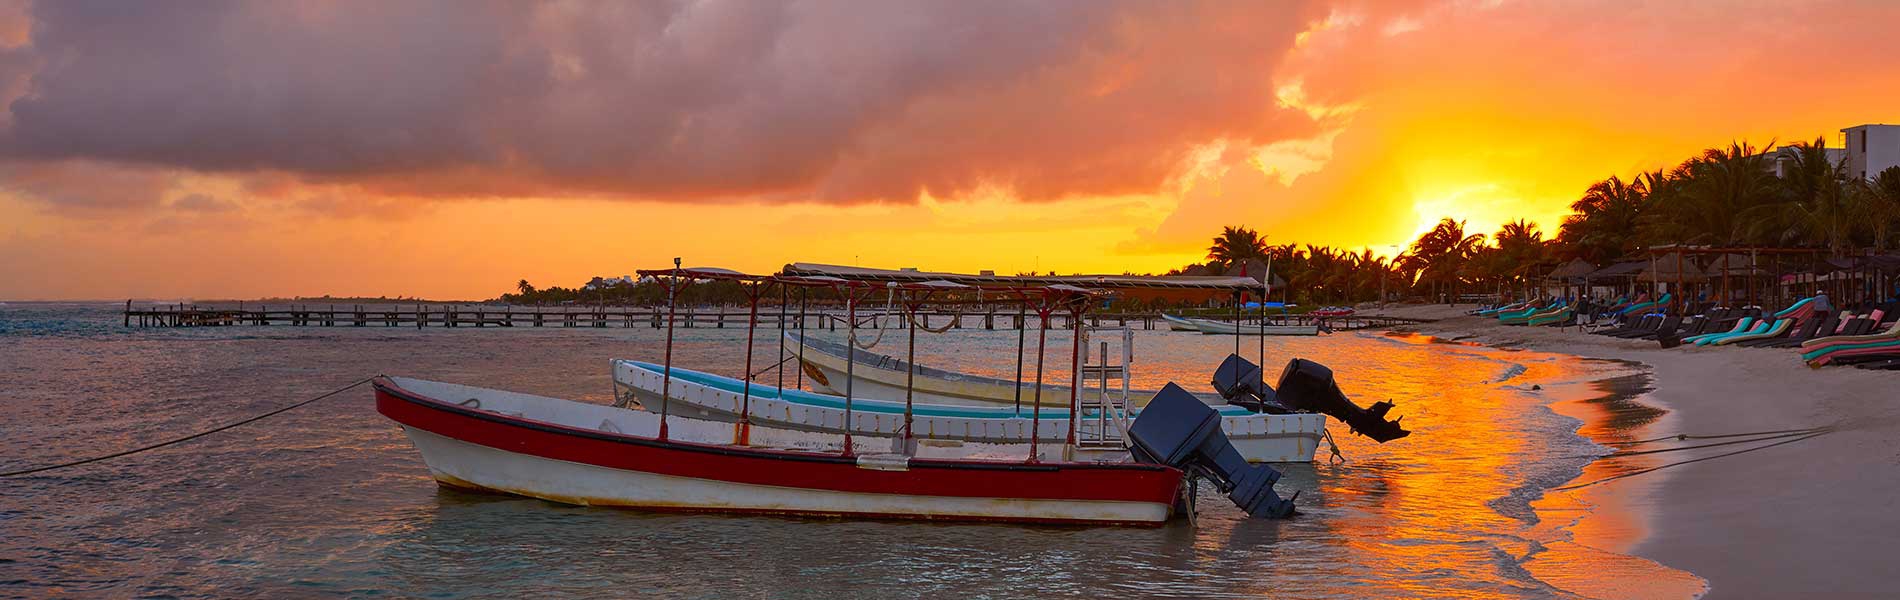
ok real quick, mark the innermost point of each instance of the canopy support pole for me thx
(743, 436)
(666, 375)
(1042, 341)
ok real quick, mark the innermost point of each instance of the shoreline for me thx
(1797, 519)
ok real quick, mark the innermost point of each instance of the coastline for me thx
(1801, 518)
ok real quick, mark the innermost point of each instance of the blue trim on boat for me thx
(759, 390)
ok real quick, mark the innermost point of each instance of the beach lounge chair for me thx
(1784, 321)
(1818, 352)
(1646, 323)
(1746, 323)
(1668, 325)
(1800, 334)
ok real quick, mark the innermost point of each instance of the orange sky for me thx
(972, 141)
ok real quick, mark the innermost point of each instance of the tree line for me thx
(1792, 197)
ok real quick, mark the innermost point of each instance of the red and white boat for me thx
(597, 455)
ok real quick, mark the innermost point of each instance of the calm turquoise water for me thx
(331, 500)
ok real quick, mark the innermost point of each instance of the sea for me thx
(330, 500)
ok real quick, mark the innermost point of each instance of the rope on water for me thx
(189, 437)
(1750, 440)
(1683, 437)
(1684, 462)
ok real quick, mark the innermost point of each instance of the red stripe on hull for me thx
(948, 478)
(467, 487)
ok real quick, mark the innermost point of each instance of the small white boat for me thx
(1259, 437)
(1224, 328)
(1178, 323)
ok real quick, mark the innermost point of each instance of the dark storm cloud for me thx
(840, 101)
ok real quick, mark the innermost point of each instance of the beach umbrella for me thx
(1574, 269)
(1672, 267)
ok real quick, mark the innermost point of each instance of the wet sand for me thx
(1812, 518)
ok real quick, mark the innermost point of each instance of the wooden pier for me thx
(483, 315)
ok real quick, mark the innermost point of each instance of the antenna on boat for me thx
(1266, 292)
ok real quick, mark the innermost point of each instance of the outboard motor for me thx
(1307, 385)
(1178, 430)
(1245, 385)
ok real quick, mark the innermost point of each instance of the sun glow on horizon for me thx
(1122, 145)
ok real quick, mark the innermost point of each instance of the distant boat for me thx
(1224, 328)
(1178, 324)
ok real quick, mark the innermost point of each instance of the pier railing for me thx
(487, 315)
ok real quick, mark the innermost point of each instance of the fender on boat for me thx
(1178, 430)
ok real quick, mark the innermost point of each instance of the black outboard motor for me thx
(1307, 385)
(1245, 385)
(1178, 430)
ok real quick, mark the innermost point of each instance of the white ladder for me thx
(1102, 419)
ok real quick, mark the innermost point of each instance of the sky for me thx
(212, 149)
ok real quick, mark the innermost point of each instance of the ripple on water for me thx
(331, 500)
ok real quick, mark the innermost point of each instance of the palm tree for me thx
(1877, 202)
(1520, 250)
(1604, 224)
(524, 287)
(1721, 186)
(1815, 206)
(1234, 245)
(1440, 253)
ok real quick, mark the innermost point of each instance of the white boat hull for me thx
(471, 466)
(1223, 328)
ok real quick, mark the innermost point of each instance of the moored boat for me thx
(596, 455)
(590, 454)
(886, 377)
(1178, 323)
(1211, 327)
(1259, 437)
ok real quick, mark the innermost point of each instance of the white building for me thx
(1871, 149)
(1782, 161)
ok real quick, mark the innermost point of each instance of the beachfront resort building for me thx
(1784, 160)
(1871, 149)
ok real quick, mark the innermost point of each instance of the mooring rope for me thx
(1684, 437)
(1761, 438)
(1684, 462)
(776, 365)
(189, 437)
(1337, 458)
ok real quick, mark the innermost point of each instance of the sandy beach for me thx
(1805, 519)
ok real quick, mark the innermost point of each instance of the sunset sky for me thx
(445, 150)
